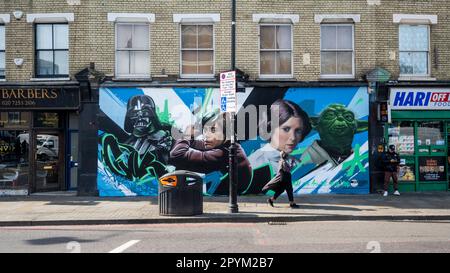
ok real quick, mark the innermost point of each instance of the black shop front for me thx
(38, 137)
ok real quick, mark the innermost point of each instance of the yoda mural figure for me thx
(336, 126)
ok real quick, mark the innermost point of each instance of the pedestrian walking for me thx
(283, 180)
(391, 162)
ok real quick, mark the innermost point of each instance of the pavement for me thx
(51, 209)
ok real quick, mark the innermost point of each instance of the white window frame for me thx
(293, 18)
(199, 76)
(410, 76)
(343, 18)
(3, 78)
(131, 76)
(420, 19)
(338, 76)
(131, 17)
(36, 50)
(50, 17)
(5, 19)
(196, 18)
(275, 76)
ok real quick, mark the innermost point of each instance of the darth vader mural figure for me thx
(146, 151)
(148, 134)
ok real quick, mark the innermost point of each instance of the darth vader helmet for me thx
(141, 118)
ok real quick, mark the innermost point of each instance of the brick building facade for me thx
(370, 58)
(91, 35)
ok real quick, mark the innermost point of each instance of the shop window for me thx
(14, 117)
(430, 133)
(197, 50)
(132, 50)
(52, 50)
(14, 120)
(401, 134)
(275, 51)
(14, 155)
(47, 120)
(2, 52)
(414, 44)
(336, 50)
(432, 168)
(407, 170)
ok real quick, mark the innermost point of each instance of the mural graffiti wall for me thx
(147, 132)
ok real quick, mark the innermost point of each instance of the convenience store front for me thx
(420, 130)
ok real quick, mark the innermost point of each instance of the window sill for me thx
(49, 79)
(278, 79)
(416, 78)
(337, 78)
(2, 80)
(125, 79)
(209, 79)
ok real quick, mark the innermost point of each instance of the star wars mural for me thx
(148, 132)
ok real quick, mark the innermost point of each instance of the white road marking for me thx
(123, 247)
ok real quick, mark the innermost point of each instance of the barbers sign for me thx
(39, 97)
(420, 98)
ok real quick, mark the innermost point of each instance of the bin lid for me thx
(181, 173)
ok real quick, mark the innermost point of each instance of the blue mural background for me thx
(122, 171)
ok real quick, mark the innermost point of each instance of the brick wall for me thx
(92, 36)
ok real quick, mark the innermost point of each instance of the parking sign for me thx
(228, 102)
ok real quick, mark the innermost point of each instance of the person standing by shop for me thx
(282, 181)
(391, 162)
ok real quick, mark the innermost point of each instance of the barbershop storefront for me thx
(38, 138)
(420, 129)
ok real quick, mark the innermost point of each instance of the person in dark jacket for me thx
(391, 162)
(212, 153)
(283, 180)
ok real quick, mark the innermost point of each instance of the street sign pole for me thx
(228, 105)
(233, 206)
(232, 171)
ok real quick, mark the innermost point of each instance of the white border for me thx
(50, 17)
(197, 18)
(4, 50)
(5, 18)
(132, 76)
(373, 2)
(412, 77)
(131, 17)
(339, 76)
(318, 18)
(276, 76)
(49, 79)
(293, 17)
(415, 19)
(198, 76)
